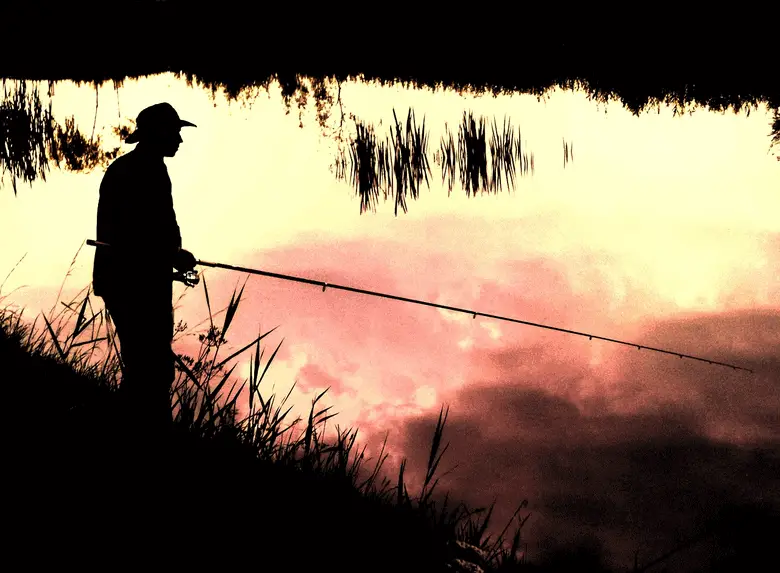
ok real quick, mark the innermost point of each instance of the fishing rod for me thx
(191, 278)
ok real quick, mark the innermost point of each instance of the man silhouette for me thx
(134, 275)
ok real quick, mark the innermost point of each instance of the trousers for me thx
(143, 319)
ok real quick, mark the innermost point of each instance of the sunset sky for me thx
(662, 231)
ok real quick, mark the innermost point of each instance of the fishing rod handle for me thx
(189, 278)
(94, 243)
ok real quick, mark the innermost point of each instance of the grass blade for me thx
(237, 352)
(61, 353)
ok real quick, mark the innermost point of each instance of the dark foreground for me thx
(87, 487)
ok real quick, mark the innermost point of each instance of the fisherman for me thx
(134, 275)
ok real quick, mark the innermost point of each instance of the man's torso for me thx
(135, 216)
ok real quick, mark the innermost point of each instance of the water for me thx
(661, 230)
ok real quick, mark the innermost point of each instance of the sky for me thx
(662, 231)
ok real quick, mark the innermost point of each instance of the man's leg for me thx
(161, 364)
(144, 325)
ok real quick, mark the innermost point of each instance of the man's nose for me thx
(178, 136)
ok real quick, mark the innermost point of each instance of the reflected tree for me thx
(482, 160)
(76, 152)
(31, 140)
(27, 133)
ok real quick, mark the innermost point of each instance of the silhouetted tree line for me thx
(643, 60)
(312, 52)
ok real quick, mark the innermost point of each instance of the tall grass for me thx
(235, 475)
(314, 477)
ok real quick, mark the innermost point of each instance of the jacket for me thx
(135, 216)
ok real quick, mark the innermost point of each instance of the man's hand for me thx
(184, 261)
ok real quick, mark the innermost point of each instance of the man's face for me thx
(169, 142)
(165, 141)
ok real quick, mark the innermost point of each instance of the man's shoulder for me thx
(136, 162)
(123, 162)
(125, 169)
(118, 175)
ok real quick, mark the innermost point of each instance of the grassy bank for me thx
(220, 489)
(234, 483)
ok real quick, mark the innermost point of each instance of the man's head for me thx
(157, 128)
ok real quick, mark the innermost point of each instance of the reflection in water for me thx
(397, 165)
(568, 152)
(518, 283)
(26, 130)
(78, 153)
(33, 140)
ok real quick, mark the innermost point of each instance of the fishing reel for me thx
(189, 278)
